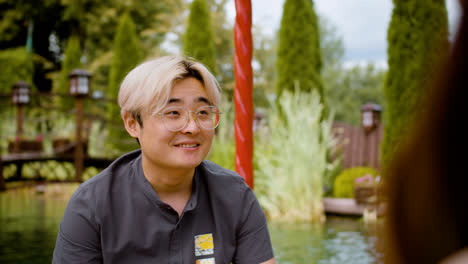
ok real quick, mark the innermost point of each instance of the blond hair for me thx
(148, 86)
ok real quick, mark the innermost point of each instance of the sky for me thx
(363, 24)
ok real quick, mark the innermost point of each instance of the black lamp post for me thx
(370, 119)
(370, 116)
(79, 82)
(20, 98)
(79, 88)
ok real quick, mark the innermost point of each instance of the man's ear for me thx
(131, 125)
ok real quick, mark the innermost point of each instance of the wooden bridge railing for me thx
(75, 151)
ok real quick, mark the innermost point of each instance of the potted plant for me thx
(22, 144)
(63, 140)
(66, 146)
(365, 189)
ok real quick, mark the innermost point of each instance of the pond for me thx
(29, 223)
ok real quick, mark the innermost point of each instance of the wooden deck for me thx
(21, 158)
(347, 206)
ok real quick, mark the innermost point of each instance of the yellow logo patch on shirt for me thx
(204, 246)
(205, 261)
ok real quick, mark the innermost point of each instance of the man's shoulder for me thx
(222, 180)
(217, 173)
(112, 176)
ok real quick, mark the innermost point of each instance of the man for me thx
(164, 203)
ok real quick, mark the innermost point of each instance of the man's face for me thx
(181, 149)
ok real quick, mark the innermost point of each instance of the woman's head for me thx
(427, 179)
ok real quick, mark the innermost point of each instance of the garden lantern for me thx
(79, 82)
(20, 98)
(21, 93)
(370, 116)
(79, 87)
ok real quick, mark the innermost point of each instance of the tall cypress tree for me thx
(126, 55)
(70, 62)
(198, 38)
(299, 59)
(417, 37)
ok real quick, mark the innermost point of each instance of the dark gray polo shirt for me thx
(116, 217)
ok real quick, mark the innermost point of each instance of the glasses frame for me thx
(188, 114)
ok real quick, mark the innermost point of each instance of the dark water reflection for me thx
(29, 224)
(339, 240)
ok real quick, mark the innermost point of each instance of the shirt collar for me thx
(153, 196)
(193, 201)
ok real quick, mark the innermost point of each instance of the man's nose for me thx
(192, 125)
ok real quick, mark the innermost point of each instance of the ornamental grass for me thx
(291, 158)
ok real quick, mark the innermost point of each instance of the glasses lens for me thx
(208, 117)
(174, 118)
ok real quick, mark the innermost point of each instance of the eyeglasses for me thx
(176, 118)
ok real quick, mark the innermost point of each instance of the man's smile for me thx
(187, 145)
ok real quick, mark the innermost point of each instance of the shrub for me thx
(344, 182)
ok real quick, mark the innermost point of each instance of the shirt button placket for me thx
(175, 247)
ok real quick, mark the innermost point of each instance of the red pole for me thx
(243, 90)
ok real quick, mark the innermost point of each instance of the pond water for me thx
(29, 223)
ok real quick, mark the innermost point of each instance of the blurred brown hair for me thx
(428, 181)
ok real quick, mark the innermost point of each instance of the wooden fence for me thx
(360, 145)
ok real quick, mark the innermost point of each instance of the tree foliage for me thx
(417, 35)
(347, 89)
(331, 43)
(16, 65)
(266, 51)
(299, 60)
(198, 38)
(14, 19)
(152, 19)
(126, 42)
(223, 43)
(94, 22)
(264, 72)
